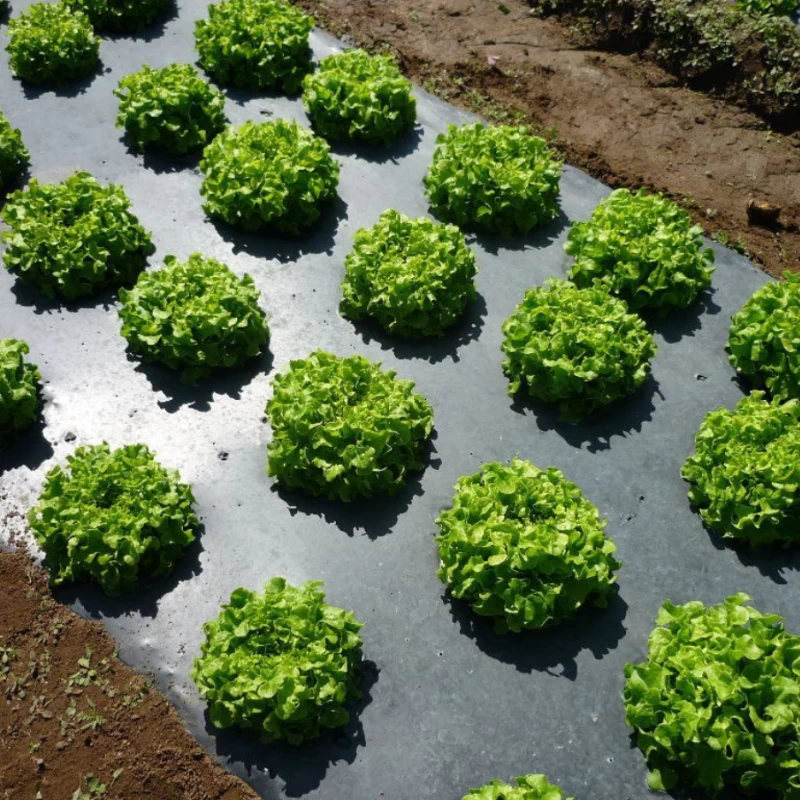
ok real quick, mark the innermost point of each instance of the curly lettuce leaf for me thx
(414, 277)
(523, 545)
(354, 95)
(715, 704)
(272, 174)
(14, 156)
(194, 316)
(51, 44)
(19, 387)
(525, 787)
(745, 473)
(764, 339)
(255, 44)
(644, 249)
(114, 517)
(578, 348)
(283, 663)
(121, 16)
(497, 179)
(171, 109)
(344, 428)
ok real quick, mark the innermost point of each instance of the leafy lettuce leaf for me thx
(716, 702)
(171, 109)
(528, 787)
(354, 95)
(415, 277)
(49, 43)
(764, 339)
(498, 179)
(194, 316)
(344, 428)
(745, 473)
(14, 156)
(112, 516)
(19, 387)
(75, 237)
(255, 44)
(283, 663)
(121, 16)
(644, 248)
(579, 348)
(524, 546)
(272, 174)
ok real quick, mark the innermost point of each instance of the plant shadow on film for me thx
(771, 562)
(144, 599)
(27, 448)
(151, 32)
(536, 239)
(403, 146)
(300, 768)
(200, 395)
(31, 297)
(273, 245)
(70, 90)
(627, 415)
(430, 349)
(160, 161)
(596, 629)
(685, 322)
(376, 516)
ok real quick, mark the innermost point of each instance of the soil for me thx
(619, 117)
(74, 717)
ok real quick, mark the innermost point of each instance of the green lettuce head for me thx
(764, 339)
(715, 704)
(496, 179)
(283, 663)
(114, 517)
(644, 248)
(523, 545)
(578, 348)
(344, 428)
(745, 472)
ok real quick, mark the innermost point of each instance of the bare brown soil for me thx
(619, 117)
(73, 716)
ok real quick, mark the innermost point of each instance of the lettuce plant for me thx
(272, 174)
(14, 156)
(121, 16)
(715, 703)
(194, 316)
(523, 545)
(414, 277)
(19, 387)
(494, 179)
(354, 95)
(255, 44)
(764, 339)
(74, 237)
(579, 348)
(170, 109)
(528, 787)
(745, 473)
(283, 663)
(644, 248)
(114, 517)
(344, 428)
(780, 8)
(49, 43)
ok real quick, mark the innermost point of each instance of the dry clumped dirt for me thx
(78, 724)
(619, 117)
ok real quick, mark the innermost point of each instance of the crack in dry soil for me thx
(618, 117)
